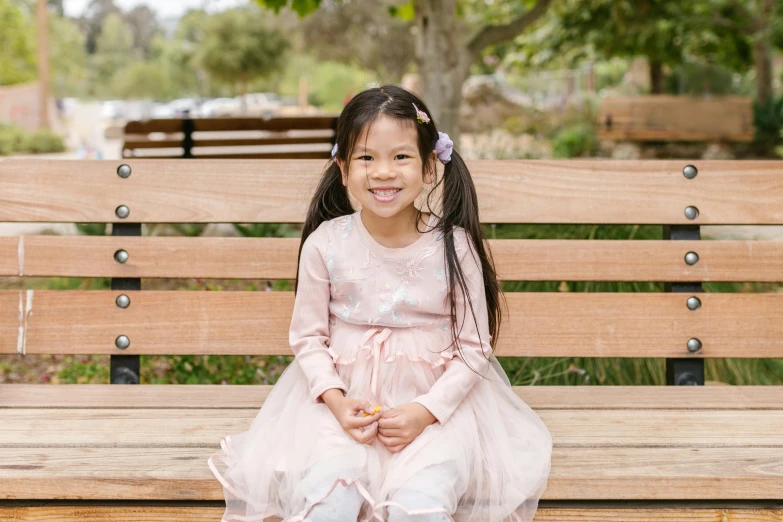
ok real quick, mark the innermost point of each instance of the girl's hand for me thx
(398, 427)
(349, 413)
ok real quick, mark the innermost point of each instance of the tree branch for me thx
(493, 34)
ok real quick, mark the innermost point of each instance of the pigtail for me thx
(329, 201)
(460, 207)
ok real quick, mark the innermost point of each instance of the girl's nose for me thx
(383, 170)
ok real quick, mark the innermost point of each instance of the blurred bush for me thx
(43, 141)
(575, 141)
(14, 140)
(768, 121)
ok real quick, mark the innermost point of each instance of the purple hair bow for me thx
(443, 147)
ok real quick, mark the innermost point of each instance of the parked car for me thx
(162, 110)
(113, 110)
(220, 107)
(262, 104)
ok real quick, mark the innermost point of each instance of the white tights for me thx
(344, 503)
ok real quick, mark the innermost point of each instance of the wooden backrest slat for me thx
(275, 258)
(283, 123)
(292, 140)
(277, 191)
(197, 154)
(686, 118)
(538, 324)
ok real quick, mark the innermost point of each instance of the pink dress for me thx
(374, 322)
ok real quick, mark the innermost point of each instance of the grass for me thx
(215, 369)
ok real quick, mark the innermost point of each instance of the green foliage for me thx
(114, 51)
(575, 141)
(699, 78)
(91, 229)
(768, 121)
(67, 58)
(267, 230)
(328, 82)
(17, 45)
(14, 140)
(302, 7)
(18, 50)
(530, 120)
(151, 79)
(239, 46)
(44, 141)
(405, 11)
(665, 32)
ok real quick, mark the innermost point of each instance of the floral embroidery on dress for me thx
(410, 269)
(440, 274)
(346, 224)
(330, 263)
(349, 309)
(389, 303)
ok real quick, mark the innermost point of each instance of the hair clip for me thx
(421, 115)
(443, 147)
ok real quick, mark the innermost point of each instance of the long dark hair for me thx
(460, 203)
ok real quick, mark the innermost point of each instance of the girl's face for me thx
(387, 158)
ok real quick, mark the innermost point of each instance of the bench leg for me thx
(685, 371)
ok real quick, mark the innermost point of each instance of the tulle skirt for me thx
(492, 456)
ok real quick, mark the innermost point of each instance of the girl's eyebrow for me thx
(399, 147)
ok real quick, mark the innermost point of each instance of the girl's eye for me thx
(403, 156)
(363, 157)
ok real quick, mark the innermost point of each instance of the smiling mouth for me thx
(385, 192)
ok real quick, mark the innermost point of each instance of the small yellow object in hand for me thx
(376, 408)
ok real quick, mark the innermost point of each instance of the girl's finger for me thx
(388, 423)
(397, 449)
(391, 441)
(358, 406)
(367, 435)
(361, 421)
(388, 432)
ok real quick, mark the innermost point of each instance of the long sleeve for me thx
(458, 379)
(308, 334)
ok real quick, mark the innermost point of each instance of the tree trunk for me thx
(762, 59)
(444, 62)
(656, 76)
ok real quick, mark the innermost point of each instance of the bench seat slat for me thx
(543, 514)
(599, 324)
(204, 396)
(569, 427)
(181, 473)
(275, 258)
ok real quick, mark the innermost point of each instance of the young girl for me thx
(394, 311)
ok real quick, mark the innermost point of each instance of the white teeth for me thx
(385, 192)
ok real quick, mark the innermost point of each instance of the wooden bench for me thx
(633, 453)
(676, 118)
(286, 137)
